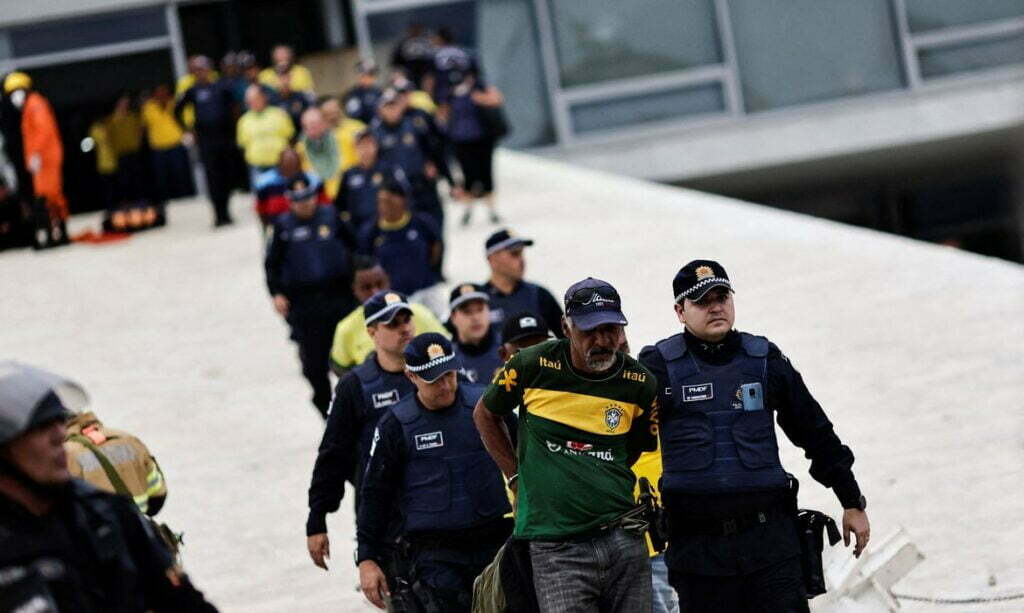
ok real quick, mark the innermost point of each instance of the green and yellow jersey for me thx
(577, 434)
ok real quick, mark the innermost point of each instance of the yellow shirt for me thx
(162, 131)
(302, 80)
(264, 135)
(346, 135)
(420, 99)
(648, 465)
(188, 114)
(125, 132)
(106, 157)
(352, 344)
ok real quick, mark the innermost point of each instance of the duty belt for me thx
(722, 526)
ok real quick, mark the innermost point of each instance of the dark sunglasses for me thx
(592, 295)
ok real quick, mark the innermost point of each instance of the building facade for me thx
(901, 115)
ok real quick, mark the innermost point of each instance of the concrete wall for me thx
(805, 133)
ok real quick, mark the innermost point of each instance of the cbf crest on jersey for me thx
(612, 417)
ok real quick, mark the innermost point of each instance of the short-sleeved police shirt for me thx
(575, 436)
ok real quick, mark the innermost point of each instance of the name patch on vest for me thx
(385, 399)
(696, 393)
(430, 440)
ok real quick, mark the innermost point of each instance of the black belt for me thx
(493, 532)
(723, 526)
(630, 517)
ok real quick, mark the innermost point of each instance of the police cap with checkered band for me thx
(698, 278)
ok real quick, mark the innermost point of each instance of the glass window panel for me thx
(799, 51)
(503, 35)
(940, 61)
(644, 108)
(923, 15)
(105, 29)
(5, 45)
(598, 40)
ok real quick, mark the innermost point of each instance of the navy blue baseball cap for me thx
(430, 355)
(384, 305)
(389, 96)
(593, 302)
(698, 278)
(302, 188)
(505, 239)
(522, 325)
(464, 293)
(366, 67)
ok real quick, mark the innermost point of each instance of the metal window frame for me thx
(563, 98)
(912, 45)
(83, 54)
(968, 34)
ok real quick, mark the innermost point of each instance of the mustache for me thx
(600, 351)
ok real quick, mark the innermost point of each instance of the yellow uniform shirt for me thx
(302, 80)
(648, 465)
(352, 344)
(162, 130)
(420, 99)
(106, 157)
(264, 135)
(346, 135)
(125, 132)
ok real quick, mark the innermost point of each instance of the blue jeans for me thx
(664, 596)
(608, 574)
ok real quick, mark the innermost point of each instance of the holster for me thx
(811, 527)
(654, 515)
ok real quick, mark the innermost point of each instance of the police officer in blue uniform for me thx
(475, 338)
(422, 120)
(452, 65)
(309, 275)
(407, 244)
(733, 541)
(357, 195)
(360, 398)
(360, 102)
(428, 461)
(215, 114)
(508, 290)
(404, 144)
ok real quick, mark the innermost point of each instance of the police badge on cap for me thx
(698, 278)
(430, 355)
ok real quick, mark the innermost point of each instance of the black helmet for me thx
(31, 396)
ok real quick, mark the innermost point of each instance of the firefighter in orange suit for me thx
(44, 157)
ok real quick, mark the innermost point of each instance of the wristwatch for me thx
(862, 503)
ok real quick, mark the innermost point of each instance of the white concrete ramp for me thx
(915, 351)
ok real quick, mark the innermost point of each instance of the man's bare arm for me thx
(496, 439)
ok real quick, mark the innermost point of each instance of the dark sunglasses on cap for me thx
(587, 296)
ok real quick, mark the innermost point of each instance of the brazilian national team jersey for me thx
(575, 435)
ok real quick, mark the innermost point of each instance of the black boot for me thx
(40, 216)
